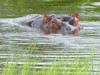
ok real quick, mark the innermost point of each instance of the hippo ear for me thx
(76, 14)
(46, 18)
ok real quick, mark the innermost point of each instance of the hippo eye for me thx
(52, 22)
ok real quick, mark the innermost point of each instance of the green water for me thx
(15, 8)
(14, 39)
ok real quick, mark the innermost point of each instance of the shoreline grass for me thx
(62, 67)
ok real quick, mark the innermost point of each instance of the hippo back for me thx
(33, 20)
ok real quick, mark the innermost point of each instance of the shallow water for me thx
(14, 38)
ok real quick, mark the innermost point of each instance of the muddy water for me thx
(14, 38)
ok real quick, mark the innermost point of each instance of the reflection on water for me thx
(96, 3)
(16, 37)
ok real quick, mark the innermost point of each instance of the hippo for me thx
(69, 24)
(51, 24)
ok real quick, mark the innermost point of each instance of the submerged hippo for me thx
(51, 24)
(69, 24)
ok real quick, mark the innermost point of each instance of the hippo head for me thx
(76, 23)
(54, 25)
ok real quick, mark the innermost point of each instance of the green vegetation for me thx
(78, 66)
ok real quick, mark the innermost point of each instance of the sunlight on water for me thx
(96, 3)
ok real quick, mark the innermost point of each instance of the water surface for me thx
(15, 38)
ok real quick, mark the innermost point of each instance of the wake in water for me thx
(28, 28)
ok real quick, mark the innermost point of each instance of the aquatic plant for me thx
(79, 66)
